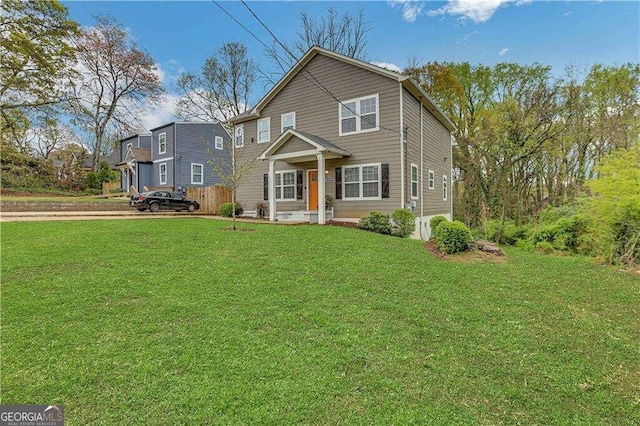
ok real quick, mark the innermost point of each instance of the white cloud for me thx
(503, 51)
(567, 13)
(466, 37)
(388, 65)
(410, 9)
(476, 10)
(160, 114)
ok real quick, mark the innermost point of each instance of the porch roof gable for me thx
(316, 144)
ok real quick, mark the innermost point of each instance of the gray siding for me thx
(437, 156)
(145, 177)
(317, 114)
(294, 144)
(196, 145)
(155, 143)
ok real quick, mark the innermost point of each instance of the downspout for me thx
(450, 176)
(175, 156)
(421, 172)
(402, 171)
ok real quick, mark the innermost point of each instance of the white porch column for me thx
(321, 190)
(272, 190)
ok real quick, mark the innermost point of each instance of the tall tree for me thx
(346, 34)
(222, 90)
(37, 52)
(118, 80)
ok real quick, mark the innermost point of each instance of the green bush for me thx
(453, 237)
(376, 222)
(404, 223)
(434, 222)
(226, 209)
(562, 234)
(544, 247)
(104, 174)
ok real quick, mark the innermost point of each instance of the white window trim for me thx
(445, 188)
(432, 180)
(358, 116)
(268, 121)
(193, 182)
(239, 127)
(129, 145)
(219, 142)
(413, 165)
(160, 151)
(293, 113)
(295, 183)
(166, 173)
(360, 197)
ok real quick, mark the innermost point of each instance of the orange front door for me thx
(313, 190)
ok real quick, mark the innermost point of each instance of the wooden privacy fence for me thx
(210, 197)
(108, 186)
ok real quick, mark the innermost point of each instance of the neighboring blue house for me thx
(174, 155)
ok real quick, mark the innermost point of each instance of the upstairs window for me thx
(162, 143)
(359, 115)
(239, 135)
(219, 143)
(264, 130)
(288, 121)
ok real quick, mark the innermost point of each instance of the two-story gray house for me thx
(175, 155)
(362, 137)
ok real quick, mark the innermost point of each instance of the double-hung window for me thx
(359, 115)
(362, 182)
(286, 185)
(162, 143)
(163, 173)
(414, 181)
(288, 121)
(239, 135)
(432, 179)
(219, 143)
(196, 173)
(444, 188)
(264, 130)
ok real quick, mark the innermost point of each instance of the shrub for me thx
(226, 209)
(376, 222)
(434, 222)
(404, 223)
(544, 247)
(562, 234)
(453, 237)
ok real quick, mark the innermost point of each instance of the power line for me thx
(317, 83)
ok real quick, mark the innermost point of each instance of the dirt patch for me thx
(343, 224)
(471, 256)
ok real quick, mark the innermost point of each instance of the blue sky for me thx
(180, 35)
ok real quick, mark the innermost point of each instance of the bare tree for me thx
(222, 90)
(50, 135)
(118, 80)
(345, 34)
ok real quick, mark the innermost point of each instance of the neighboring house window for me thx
(288, 121)
(362, 182)
(444, 188)
(358, 115)
(286, 185)
(414, 181)
(432, 179)
(239, 135)
(163, 173)
(196, 173)
(129, 145)
(162, 143)
(264, 129)
(219, 142)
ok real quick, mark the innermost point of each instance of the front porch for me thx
(294, 147)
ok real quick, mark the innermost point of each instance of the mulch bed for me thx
(343, 224)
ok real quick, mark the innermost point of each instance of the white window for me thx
(129, 145)
(163, 173)
(432, 179)
(444, 188)
(414, 181)
(288, 121)
(286, 185)
(219, 143)
(264, 127)
(358, 115)
(162, 143)
(239, 135)
(197, 173)
(362, 182)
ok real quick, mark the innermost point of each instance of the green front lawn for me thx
(180, 321)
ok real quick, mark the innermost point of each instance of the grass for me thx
(179, 321)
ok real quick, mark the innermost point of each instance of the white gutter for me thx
(402, 171)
